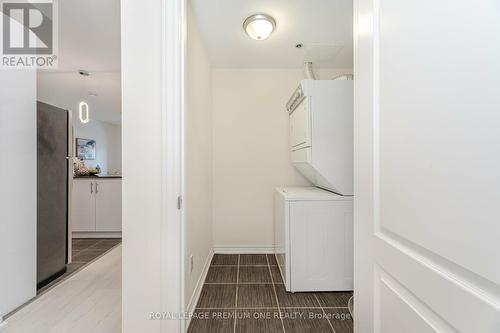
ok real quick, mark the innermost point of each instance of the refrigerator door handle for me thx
(91, 187)
(96, 188)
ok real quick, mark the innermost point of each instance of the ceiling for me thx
(89, 35)
(324, 27)
(89, 39)
(67, 89)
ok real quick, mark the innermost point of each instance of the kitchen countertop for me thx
(98, 176)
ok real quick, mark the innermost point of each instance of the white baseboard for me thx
(247, 249)
(199, 285)
(97, 234)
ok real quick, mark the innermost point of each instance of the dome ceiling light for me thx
(259, 26)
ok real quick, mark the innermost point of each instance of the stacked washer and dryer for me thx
(314, 225)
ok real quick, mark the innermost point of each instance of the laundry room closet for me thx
(268, 155)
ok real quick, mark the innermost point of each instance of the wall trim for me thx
(246, 249)
(199, 285)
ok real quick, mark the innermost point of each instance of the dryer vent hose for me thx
(308, 66)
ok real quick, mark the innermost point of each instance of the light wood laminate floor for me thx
(88, 301)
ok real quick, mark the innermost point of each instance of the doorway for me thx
(164, 222)
(73, 122)
(268, 157)
(87, 85)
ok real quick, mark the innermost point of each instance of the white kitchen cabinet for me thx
(96, 205)
(314, 239)
(83, 206)
(108, 205)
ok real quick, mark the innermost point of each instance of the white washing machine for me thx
(314, 239)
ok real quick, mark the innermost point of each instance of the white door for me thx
(109, 205)
(83, 206)
(427, 168)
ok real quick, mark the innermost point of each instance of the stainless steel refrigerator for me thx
(53, 151)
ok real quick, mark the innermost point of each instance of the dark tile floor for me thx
(84, 251)
(245, 293)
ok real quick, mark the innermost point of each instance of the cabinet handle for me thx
(91, 187)
(96, 188)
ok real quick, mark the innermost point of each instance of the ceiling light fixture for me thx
(83, 112)
(259, 26)
(83, 107)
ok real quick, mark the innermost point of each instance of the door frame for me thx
(153, 52)
(69, 224)
(173, 109)
(364, 155)
(173, 242)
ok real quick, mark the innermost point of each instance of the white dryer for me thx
(321, 133)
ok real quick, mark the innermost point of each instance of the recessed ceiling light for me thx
(259, 26)
(83, 72)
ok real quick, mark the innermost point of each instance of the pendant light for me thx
(83, 107)
(83, 112)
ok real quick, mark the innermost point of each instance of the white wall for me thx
(18, 191)
(142, 168)
(108, 143)
(251, 158)
(198, 156)
(115, 149)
